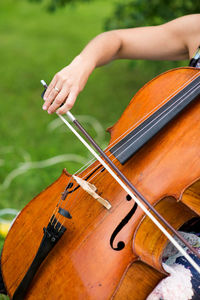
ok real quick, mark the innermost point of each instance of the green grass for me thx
(2, 297)
(34, 46)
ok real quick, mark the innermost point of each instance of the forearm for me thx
(175, 40)
(102, 49)
(72, 78)
(156, 43)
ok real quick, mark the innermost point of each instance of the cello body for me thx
(84, 264)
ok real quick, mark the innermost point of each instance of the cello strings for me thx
(168, 110)
(165, 113)
(130, 128)
(188, 258)
(144, 117)
(107, 150)
(184, 84)
(154, 109)
(157, 107)
(124, 186)
(145, 126)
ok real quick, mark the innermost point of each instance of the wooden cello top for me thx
(83, 264)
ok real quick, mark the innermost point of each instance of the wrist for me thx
(85, 63)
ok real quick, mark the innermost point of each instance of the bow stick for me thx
(128, 187)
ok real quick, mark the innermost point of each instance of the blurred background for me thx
(37, 39)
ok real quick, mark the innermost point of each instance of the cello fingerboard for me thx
(139, 136)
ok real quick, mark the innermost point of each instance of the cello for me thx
(111, 248)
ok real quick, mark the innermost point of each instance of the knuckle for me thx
(51, 95)
(61, 76)
(62, 111)
(69, 105)
(58, 100)
(69, 82)
(56, 77)
(64, 77)
(48, 100)
(76, 89)
(51, 84)
(52, 108)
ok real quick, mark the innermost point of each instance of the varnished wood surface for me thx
(83, 265)
(136, 284)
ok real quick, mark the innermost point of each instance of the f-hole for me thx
(121, 244)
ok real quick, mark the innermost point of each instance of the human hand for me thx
(66, 85)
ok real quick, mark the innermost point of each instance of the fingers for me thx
(50, 87)
(58, 99)
(60, 91)
(64, 88)
(69, 102)
(54, 90)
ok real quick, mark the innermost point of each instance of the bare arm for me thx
(174, 40)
